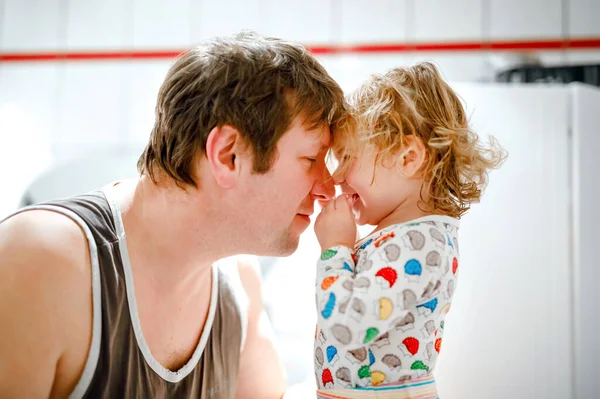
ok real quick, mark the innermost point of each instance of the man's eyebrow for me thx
(322, 147)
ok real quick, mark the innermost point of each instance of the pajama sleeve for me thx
(358, 300)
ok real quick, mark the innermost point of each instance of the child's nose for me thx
(339, 180)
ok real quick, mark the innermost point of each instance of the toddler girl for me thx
(410, 165)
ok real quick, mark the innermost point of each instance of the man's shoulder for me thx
(40, 244)
(45, 284)
(35, 219)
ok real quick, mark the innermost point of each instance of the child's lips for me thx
(353, 197)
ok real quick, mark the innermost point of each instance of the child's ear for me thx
(412, 156)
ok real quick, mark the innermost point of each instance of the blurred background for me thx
(78, 83)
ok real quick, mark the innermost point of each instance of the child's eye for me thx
(312, 160)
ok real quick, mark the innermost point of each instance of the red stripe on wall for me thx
(87, 56)
(531, 45)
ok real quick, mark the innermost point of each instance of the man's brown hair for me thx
(256, 84)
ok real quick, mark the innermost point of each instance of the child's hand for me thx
(335, 224)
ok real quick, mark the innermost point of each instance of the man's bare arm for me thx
(45, 305)
(261, 375)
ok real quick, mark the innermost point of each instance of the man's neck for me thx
(171, 234)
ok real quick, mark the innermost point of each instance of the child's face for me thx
(377, 189)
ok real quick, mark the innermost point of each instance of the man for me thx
(124, 292)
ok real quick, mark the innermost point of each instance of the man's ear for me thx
(413, 156)
(223, 148)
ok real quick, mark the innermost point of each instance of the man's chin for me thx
(284, 246)
(287, 252)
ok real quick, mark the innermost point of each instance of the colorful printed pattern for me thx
(381, 317)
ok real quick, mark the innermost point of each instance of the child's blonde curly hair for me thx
(416, 101)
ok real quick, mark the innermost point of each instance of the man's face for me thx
(277, 204)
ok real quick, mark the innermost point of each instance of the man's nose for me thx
(323, 189)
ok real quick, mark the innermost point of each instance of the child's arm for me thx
(400, 271)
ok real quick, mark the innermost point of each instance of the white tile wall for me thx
(94, 103)
(584, 18)
(372, 21)
(439, 20)
(216, 18)
(308, 21)
(159, 24)
(351, 70)
(145, 80)
(99, 24)
(31, 91)
(518, 19)
(31, 25)
(28, 122)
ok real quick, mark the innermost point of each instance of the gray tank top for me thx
(119, 363)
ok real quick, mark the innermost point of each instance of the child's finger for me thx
(344, 202)
(339, 202)
(331, 205)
